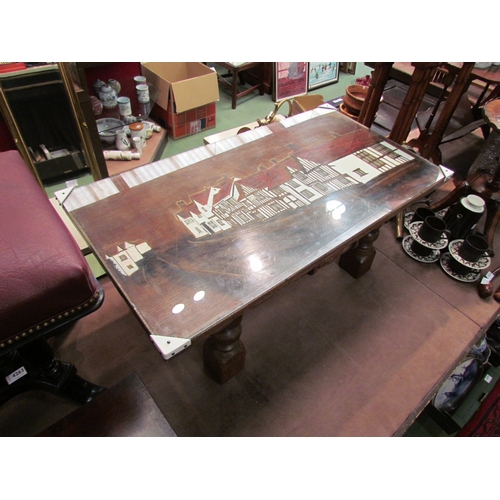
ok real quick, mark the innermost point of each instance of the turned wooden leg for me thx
(224, 352)
(358, 260)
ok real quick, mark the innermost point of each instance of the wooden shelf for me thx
(152, 152)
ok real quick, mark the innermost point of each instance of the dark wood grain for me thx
(238, 267)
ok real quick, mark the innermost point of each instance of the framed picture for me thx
(290, 80)
(321, 74)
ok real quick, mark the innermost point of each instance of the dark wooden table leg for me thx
(358, 259)
(422, 75)
(261, 78)
(234, 96)
(224, 352)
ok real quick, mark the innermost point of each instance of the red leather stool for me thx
(45, 284)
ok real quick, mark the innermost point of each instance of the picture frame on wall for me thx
(290, 80)
(321, 74)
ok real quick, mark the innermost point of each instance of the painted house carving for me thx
(127, 256)
(283, 187)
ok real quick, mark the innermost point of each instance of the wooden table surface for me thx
(193, 245)
(492, 113)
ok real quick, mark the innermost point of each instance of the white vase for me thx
(122, 142)
(115, 85)
(108, 97)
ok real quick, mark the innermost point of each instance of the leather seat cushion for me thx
(43, 273)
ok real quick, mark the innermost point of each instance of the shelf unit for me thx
(74, 100)
(84, 74)
(74, 79)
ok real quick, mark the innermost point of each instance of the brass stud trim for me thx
(51, 322)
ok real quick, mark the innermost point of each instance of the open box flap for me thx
(195, 92)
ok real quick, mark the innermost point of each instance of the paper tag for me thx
(16, 375)
(487, 278)
(488, 378)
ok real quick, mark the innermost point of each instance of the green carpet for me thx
(96, 267)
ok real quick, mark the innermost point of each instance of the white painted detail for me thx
(406, 156)
(169, 346)
(126, 258)
(354, 167)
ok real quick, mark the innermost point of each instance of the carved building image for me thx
(282, 187)
(127, 256)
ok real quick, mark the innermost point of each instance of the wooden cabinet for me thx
(50, 104)
(85, 74)
(45, 105)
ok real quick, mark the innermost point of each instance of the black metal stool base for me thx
(34, 367)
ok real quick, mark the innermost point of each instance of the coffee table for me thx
(195, 240)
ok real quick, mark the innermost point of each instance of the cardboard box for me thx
(188, 123)
(188, 92)
(306, 103)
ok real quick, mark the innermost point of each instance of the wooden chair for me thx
(461, 123)
(236, 75)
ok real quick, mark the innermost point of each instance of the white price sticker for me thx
(16, 375)
(487, 278)
(488, 378)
